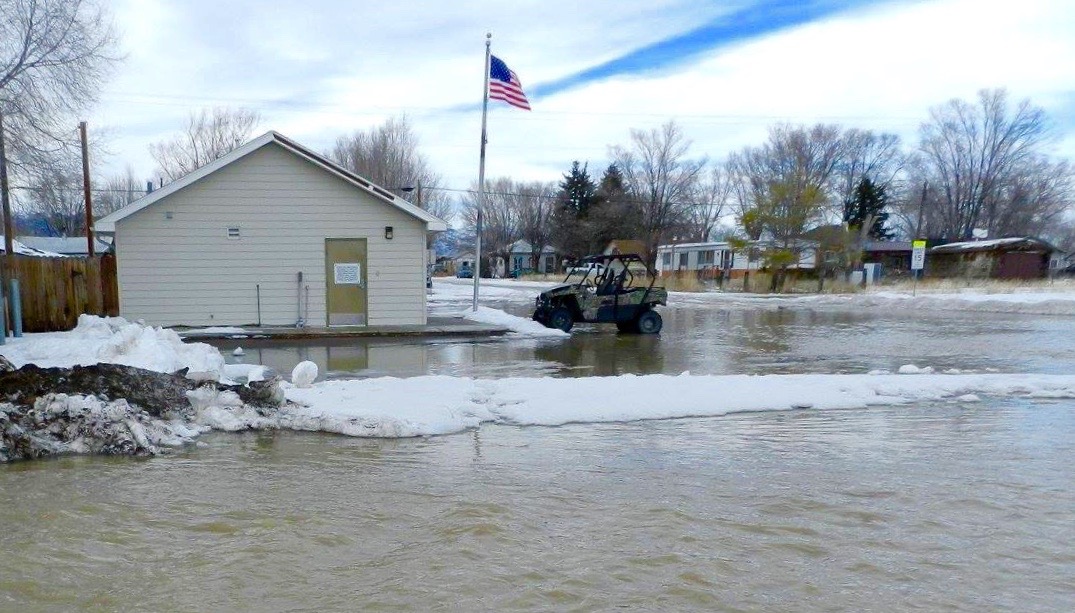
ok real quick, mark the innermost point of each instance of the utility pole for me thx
(86, 188)
(921, 210)
(9, 239)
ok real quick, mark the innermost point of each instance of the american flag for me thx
(504, 85)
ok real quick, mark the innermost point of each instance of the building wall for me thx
(186, 271)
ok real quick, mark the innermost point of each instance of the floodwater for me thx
(931, 507)
(761, 336)
(936, 506)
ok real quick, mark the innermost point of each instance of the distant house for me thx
(461, 260)
(521, 258)
(711, 258)
(64, 245)
(272, 233)
(1001, 258)
(893, 256)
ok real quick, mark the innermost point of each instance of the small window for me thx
(683, 260)
(668, 260)
(233, 232)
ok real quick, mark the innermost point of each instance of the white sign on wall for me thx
(349, 273)
(918, 255)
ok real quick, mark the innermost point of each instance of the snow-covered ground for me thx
(454, 298)
(390, 407)
(115, 340)
(1027, 302)
(1058, 299)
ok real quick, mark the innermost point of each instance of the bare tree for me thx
(710, 198)
(116, 192)
(54, 57)
(210, 134)
(54, 195)
(661, 178)
(783, 188)
(500, 216)
(535, 203)
(868, 155)
(985, 167)
(389, 156)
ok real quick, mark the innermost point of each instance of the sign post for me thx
(918, 262)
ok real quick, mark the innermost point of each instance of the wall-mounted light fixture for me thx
(388, 232)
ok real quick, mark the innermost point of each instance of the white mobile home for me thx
(272, 234)
(696, 257)
(712, 257)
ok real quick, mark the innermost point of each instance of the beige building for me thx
(271, 234)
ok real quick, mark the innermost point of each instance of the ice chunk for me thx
(304, 374)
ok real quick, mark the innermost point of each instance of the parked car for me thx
(464, 272)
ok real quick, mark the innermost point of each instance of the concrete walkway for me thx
(436, 326)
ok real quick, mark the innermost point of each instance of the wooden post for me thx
(86, 189)
(9, 232)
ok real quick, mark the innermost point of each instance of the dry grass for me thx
(544, 277)
(682, 283)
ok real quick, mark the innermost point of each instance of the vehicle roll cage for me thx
(610, 279)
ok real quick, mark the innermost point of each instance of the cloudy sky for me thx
(724, 70)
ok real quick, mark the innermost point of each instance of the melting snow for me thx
(115, 340)
(519, 325)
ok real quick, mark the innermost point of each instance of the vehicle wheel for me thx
(650, 322)
(627, 326)
(561, 319)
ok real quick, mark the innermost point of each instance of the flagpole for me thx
(481, 176)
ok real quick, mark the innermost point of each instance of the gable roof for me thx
(107, 224)
(1013, 243)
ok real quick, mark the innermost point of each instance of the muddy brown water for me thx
(935, 506)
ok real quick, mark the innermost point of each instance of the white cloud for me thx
(316, 73)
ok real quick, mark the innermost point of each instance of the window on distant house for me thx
(233, 232)
(668, 260)
(683, 260)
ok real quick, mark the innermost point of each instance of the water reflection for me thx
(733, 339)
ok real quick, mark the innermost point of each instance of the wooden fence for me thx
(55, 291)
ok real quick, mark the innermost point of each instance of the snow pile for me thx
(304, 374)
(59, 423)
(390, 407)
(518, 325)
(117, 341)
(246, 373)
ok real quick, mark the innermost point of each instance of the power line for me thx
(542, 115)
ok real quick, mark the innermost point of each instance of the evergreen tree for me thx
(869, 201)
(577, 190)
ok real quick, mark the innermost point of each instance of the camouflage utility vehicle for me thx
(604, 289)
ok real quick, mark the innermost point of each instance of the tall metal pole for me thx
(9, 231)
(86, 188)
(481, 176)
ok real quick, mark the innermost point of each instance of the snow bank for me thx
(61, 423)
(518, 325)
(115, 340)
(389, 407)
(1031, 303)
